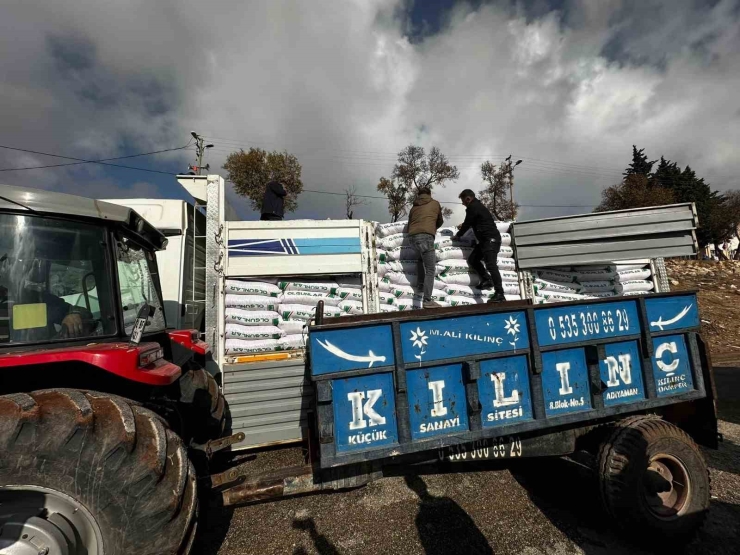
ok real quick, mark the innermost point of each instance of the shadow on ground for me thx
(444, 527)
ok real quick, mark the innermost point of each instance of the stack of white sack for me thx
(591, 282)
(265, 315)
(398, 265)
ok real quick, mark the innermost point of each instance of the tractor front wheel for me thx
(92, 473)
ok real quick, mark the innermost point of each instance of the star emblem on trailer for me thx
(419, 338)
(512, 326)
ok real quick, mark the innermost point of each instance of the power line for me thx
(102, 161)
(453, 202)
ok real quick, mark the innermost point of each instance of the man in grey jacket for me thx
(424, 220)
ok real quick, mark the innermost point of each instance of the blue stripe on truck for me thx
(313, 245)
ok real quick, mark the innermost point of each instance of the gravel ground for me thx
(490, 512)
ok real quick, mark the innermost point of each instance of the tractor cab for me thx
(69, 273)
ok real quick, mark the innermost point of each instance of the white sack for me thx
(625, 267)
(251, 317)
(292, 342)
(594, 275)
(241, 347)
(384, 230)
(456, 300)
(351, 307)
(251, 302)
(395, 240)
(402, 253)
(554, 286)
(346, 293)
(503, 227)
(603, 295)
(461, 279)
(310, 298)
(354, 282)
(326, 287)
(236, 331)
(556, 276)
(632, 286)
(251, 288)
(452, 252)
(305, 312)
(386, 297)
(590, 287)
(633, 275)
(291, 327)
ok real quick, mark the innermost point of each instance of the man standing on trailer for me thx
(273, 201)
(425, 219)
(478, 217)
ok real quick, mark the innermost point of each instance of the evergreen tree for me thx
(667, 175)
(640, 164)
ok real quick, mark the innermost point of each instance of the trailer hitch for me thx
(216, 445)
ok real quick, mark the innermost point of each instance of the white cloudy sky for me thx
(566, 85)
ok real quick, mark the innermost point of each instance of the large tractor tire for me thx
(202, 406)
(92, 473)
(654, 480)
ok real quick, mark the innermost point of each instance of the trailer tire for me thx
(203, 407)
(653, 478)
(118, 478)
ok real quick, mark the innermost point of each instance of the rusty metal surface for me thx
(291, 480)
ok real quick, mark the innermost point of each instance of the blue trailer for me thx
(625, 383)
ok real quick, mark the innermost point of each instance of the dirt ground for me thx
(499, 511)
(718, 284)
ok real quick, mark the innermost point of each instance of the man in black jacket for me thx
(481, 221)
(273, 201)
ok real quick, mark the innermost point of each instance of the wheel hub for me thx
(41, 521)
(667, 486)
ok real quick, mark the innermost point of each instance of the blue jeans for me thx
(423, 243)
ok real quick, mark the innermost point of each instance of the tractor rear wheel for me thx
(92, 473)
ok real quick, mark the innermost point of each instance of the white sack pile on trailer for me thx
(455, 282)
(574, 283)
(266, 315)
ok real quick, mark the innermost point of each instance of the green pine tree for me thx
(640, 164)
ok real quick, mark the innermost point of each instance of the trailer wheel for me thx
(91, 473)
(653, 478)
(202, 405)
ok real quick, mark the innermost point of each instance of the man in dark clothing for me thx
(273, 201)
(424, 220)
(481, 221)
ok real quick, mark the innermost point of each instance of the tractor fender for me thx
(143, 363)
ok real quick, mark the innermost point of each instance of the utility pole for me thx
(509, 171)
(200, 149)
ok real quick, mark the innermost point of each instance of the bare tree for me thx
(352, 199)
(416, 170)
(396, 194)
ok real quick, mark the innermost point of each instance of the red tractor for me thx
(100, 403)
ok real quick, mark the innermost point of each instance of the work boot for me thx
(487, 284)
(497, 298)
(431, 304)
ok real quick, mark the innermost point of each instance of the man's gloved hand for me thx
(71, 325)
